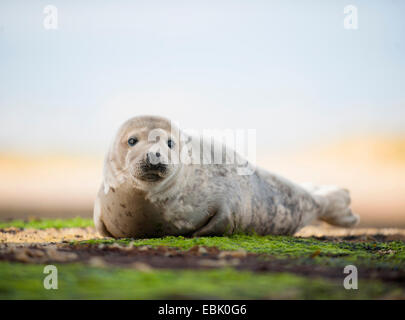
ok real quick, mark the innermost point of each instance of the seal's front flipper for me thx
(98, 222)
(218, 225)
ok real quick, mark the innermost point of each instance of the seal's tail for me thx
(334, 203)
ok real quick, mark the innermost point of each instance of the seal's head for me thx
(144, 152)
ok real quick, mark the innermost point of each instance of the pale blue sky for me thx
(285, 68)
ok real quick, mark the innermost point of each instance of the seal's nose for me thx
(152, 158)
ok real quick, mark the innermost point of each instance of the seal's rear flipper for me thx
(334, 203)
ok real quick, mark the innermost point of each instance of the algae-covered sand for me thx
(308, 266)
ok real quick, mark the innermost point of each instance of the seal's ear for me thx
(112, 172)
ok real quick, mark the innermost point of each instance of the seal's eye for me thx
(170, 143)
(132, 141)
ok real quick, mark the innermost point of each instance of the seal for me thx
(156, 183)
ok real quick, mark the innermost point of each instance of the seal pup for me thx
(149, 190)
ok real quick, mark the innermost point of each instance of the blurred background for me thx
(327, 103)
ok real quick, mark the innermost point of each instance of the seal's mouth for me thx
(149, 172)
(151, 176)
(153, 172)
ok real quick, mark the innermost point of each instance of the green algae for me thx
(78, 281)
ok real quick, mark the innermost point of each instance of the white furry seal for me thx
(148, 192)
